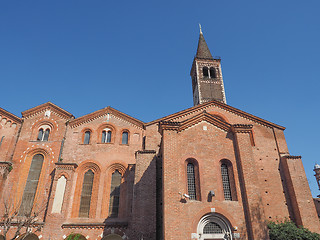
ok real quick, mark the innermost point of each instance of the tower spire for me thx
(203, 51)
(207, 82)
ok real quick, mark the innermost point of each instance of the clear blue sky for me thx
(136, 57)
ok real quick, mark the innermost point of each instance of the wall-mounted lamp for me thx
(184, 196)
(211, 193)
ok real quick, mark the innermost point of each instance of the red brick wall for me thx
(265, 189)
(299, 192)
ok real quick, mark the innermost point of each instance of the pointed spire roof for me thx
(203, 51)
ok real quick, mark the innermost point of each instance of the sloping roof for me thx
(92, 116)
(204, 106)
(203, 51)
(9, 115)
(46, 106)
(203, 116)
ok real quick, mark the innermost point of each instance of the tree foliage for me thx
(287, 230)
(76, 236)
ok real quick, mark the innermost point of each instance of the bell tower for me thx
(317, 175)
(206, 75)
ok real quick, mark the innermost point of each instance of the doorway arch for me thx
(27, 236)
(214, 226)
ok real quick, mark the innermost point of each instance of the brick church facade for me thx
(208, 172)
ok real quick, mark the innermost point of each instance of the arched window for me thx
(86, 139)
(228, 183)
(43, 135)
(59, 195)
(212, 72)
(205, 71)
(115, 194)
(125, 137)
(191, 178)
(46, 135)
(40, 135)
(106, 136)
(31, 185)
(86, 193)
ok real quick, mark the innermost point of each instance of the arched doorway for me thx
(1, 237)
(214, 226)
(112, 237)
(28, 236)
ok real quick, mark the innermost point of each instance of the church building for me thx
(211, 171)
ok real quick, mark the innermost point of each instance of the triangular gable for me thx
(204, 106)
(103, 112)
(47, 106)
(12, 117)
(203, 116)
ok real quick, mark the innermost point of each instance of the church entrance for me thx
(214, 227)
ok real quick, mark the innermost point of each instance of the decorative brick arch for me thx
(82, 134)
(117, 166)
(53, 126)
(103, 126)
(63, 173)
(219, 116)
(214, 226)
(216, 210)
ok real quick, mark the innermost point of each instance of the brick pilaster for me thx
(145, 196)
(250, 190)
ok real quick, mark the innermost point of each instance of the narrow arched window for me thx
(46, 135)
(191, 181)
(40, 135)
(86, 139)
(106, 136)
(109, 136)
(103, 137)
(226, 182)
(86, 193)
(125, 137)
(31, 185)
(59, 195)
(212, 72)
(115, 194)
(205, 71)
